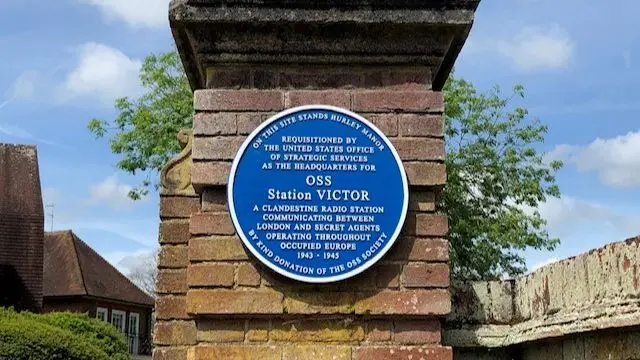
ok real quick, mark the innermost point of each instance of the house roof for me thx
(72, 268)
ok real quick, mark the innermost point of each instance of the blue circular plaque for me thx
(318, 194)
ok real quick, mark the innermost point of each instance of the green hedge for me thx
(58, 336)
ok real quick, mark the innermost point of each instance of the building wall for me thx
(21, 228)
(585, 307)
(217, 301)
(89, 306)
(622, 344)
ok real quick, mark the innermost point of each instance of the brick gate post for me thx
(247, 60)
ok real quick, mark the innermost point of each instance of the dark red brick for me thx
(403, 353)
(238, 100)
(403, 101)
(211, 224)
(426, 275)
(423, 331)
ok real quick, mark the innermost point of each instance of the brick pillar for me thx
(220, 302)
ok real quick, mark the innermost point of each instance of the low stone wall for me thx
(560, 306)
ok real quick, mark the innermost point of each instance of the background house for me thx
(77, 279)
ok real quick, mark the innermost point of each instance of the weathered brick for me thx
(214, 124)
(420, 201)
(170, 307)
(425, 173)
(410, 79)
(318, 78)
(214, 200)
(409, 302)
(417, 249)
(379, 330)
(258, 330)
(172, 281)
(265, 79)
(217, 147)
(423, 331)
(247, 122)
(175, 333)
(417, 125)
(319, 303)
(316, 352)
(317, 331)
(216, 274)
(335, 98)
(388, 276)
(178, 206)
(210, 173)
(247, 275)
(218, 330)
(238, 100)
(211, 224)
(426, 275)
(387, 123)
(218, 302)
(235, 352)
(426, 225)
(173, 257)
(217, 248)
(170, 353)
(420, 149)
(403, 353)
(174, 232)
(367, 280)
(390, 101)
(228, 78)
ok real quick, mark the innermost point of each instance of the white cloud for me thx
(543, 263)
(112, 192)
(136, 13)
(127, 262)
(24, 86)
(103, 73)
(538, 48)
(568, 216)
(615, 160)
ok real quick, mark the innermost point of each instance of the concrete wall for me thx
(559, 309)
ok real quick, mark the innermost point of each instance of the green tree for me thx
(144, 132)
(496, 177)
(496, 180)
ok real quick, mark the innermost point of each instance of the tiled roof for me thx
(71, 268)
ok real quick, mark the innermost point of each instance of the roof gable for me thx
(62, 275)
(98, 277)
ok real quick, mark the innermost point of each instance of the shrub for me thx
(58, 336)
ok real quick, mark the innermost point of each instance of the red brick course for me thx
(403, 353)
(421, 275)
(238, 100)
(211, 224)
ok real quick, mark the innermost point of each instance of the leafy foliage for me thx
(26, 336)
(496, 179)
(144, 132)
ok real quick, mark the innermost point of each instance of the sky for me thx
(65, 62)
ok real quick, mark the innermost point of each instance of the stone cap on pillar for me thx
(427, 33)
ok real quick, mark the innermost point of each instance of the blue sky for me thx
(64, 62)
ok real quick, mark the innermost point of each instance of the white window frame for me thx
(104, 311)
(124, 319)
(134, 333)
